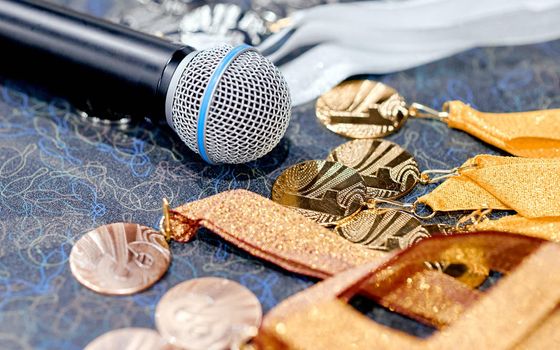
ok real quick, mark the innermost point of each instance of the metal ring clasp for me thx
(165, 223)
(418, 110)
(443, 174)
(410, 208)
(473, 218)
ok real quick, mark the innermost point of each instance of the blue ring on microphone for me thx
(209, 94)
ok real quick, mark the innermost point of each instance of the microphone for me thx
(228, 104)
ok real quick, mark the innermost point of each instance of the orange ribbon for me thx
(521, 312)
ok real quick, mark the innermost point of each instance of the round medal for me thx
(320, 190)
(384, 230)
(130, 338)
(388, 170)
(120, 259)
(362, 109)
(207, 313)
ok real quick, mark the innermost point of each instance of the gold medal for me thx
(388, 170)
(385, 231)
(369, 109)
(362, 109)
(321, 190)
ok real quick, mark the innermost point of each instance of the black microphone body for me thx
(228, 104)
(104, 69)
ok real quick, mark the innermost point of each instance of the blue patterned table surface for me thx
(62, 175)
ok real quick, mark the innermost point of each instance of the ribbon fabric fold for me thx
(529, 186)
(534, 134)
(285, 238)
(521, 312)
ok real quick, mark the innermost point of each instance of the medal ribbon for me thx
(286, 238)
(534, 134)
(529, 186)
(546, 228)
(520, 312)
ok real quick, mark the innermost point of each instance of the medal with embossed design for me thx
(388, 170)
(321, 190)
(365, 109)
(362, 109)
(130, 338)
(382, 230)
(120, 258)
(208, 313)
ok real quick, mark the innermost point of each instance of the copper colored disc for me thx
(120, 259)
(130, 338)
(207, 313)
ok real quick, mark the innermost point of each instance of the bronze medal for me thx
(207, 313)
(120, 259)
(130, 338)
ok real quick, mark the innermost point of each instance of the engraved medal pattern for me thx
(384, 230)
(362, 109)
(388, 170)
(320, 190)
(130, 338)
(207, 313)
(120, 259)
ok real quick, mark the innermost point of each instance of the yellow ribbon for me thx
(545, 228)
(533, 134)
(531, 187)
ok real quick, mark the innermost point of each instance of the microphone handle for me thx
(105, 69)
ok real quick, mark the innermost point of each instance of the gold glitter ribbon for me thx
(283, 237)
(520, 312)
(529, 186)
(533, 134)
(545, 228)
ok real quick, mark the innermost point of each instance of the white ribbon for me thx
(379, 37)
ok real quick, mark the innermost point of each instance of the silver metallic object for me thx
(196, 23)
(230, 105)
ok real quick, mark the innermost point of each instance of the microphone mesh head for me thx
(249, 111)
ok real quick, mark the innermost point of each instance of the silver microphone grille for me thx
(230, 105)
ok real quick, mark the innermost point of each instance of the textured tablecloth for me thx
(62, 175)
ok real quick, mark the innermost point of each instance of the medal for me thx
(120, 259)
(385, 231)
(130, 338)
(369, 109)
(208, 313)
(321, 190)
(388, 170)
(362, 109)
